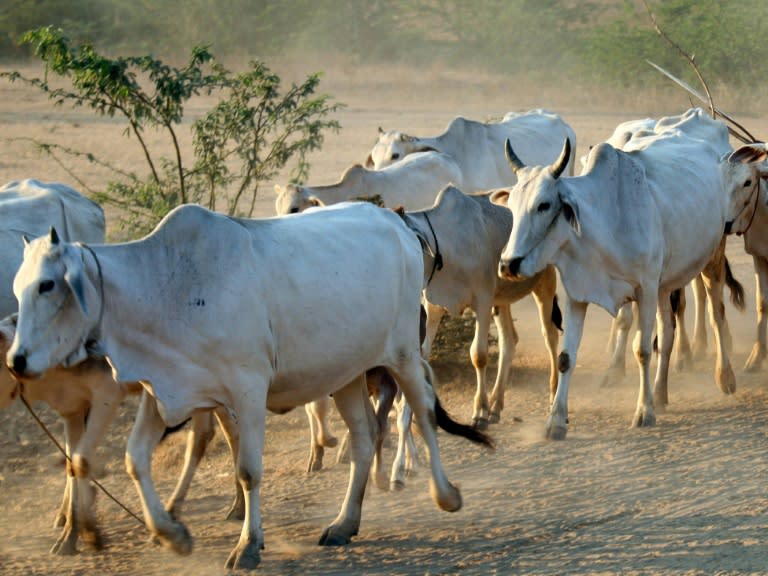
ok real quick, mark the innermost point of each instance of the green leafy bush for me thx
(251, 134)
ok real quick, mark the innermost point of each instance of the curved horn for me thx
(514, 162)
(558, 167)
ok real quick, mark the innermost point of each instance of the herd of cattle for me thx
(211, 315)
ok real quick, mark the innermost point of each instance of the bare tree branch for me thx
(745, 135)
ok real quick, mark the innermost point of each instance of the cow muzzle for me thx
(510, 268)
(18, 366)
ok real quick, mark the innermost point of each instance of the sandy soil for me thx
(685, 497)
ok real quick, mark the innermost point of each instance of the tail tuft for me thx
(450, 425)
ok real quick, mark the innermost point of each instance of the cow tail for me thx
(737, 290)
(444, 420)
(557, 314)
(450, 425)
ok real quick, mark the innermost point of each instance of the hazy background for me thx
(574, 43)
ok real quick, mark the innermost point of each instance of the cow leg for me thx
(104, 404)
(682, 345)
(228, 426)
(759, 348)
(320, 432)
(545, 294)
(386, 390)
(357, 412)
(251, 422)
(404, 419)
(415, 378)
(146, 433)
(643, 348)
(198, 439)
(66, 543)
(557, 422)
(478, 352)
(714, 281)
(666, 335)
(699, 349)
(434, 315)
(505, 328)
(620, 327)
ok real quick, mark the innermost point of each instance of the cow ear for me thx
(571, 215)
(25, 238)
(500, 197)
(381, 130)
(54, 236)
(369, 162)
(73, 276)
(749, 154)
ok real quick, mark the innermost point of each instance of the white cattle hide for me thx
(413, 183)
(478, 147)
(210, 312)
(30, 207)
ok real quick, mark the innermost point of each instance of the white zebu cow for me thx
(478, 147)
(747, 167)
(210, 312)
(86, 397)
(414, 183)
(466, 234)
(635, 135)
(633, 227)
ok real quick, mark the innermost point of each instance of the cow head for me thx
(54, 320)
(390, 147)
(743, 172)
(292, 199)
(543, 213)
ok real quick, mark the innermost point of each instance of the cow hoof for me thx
(644, 420)
(334, 536)
(450, 501)
(494, 417)
(480, 423)
(726, 381)
(396, 485)
(315, 463)
(245, 557)
(177, 539)
(556, 432)
(66, 545)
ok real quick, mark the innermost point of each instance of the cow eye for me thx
(45, 286)
(396, 156)
(543, 207)
(748, 183)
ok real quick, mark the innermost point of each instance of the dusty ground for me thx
(686, 497)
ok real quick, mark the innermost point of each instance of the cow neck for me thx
(756, 194)
(437, 258)
(93, 337)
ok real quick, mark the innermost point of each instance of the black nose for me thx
(509, 268)
(19, 364)
(728, 227)
(514, 266)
